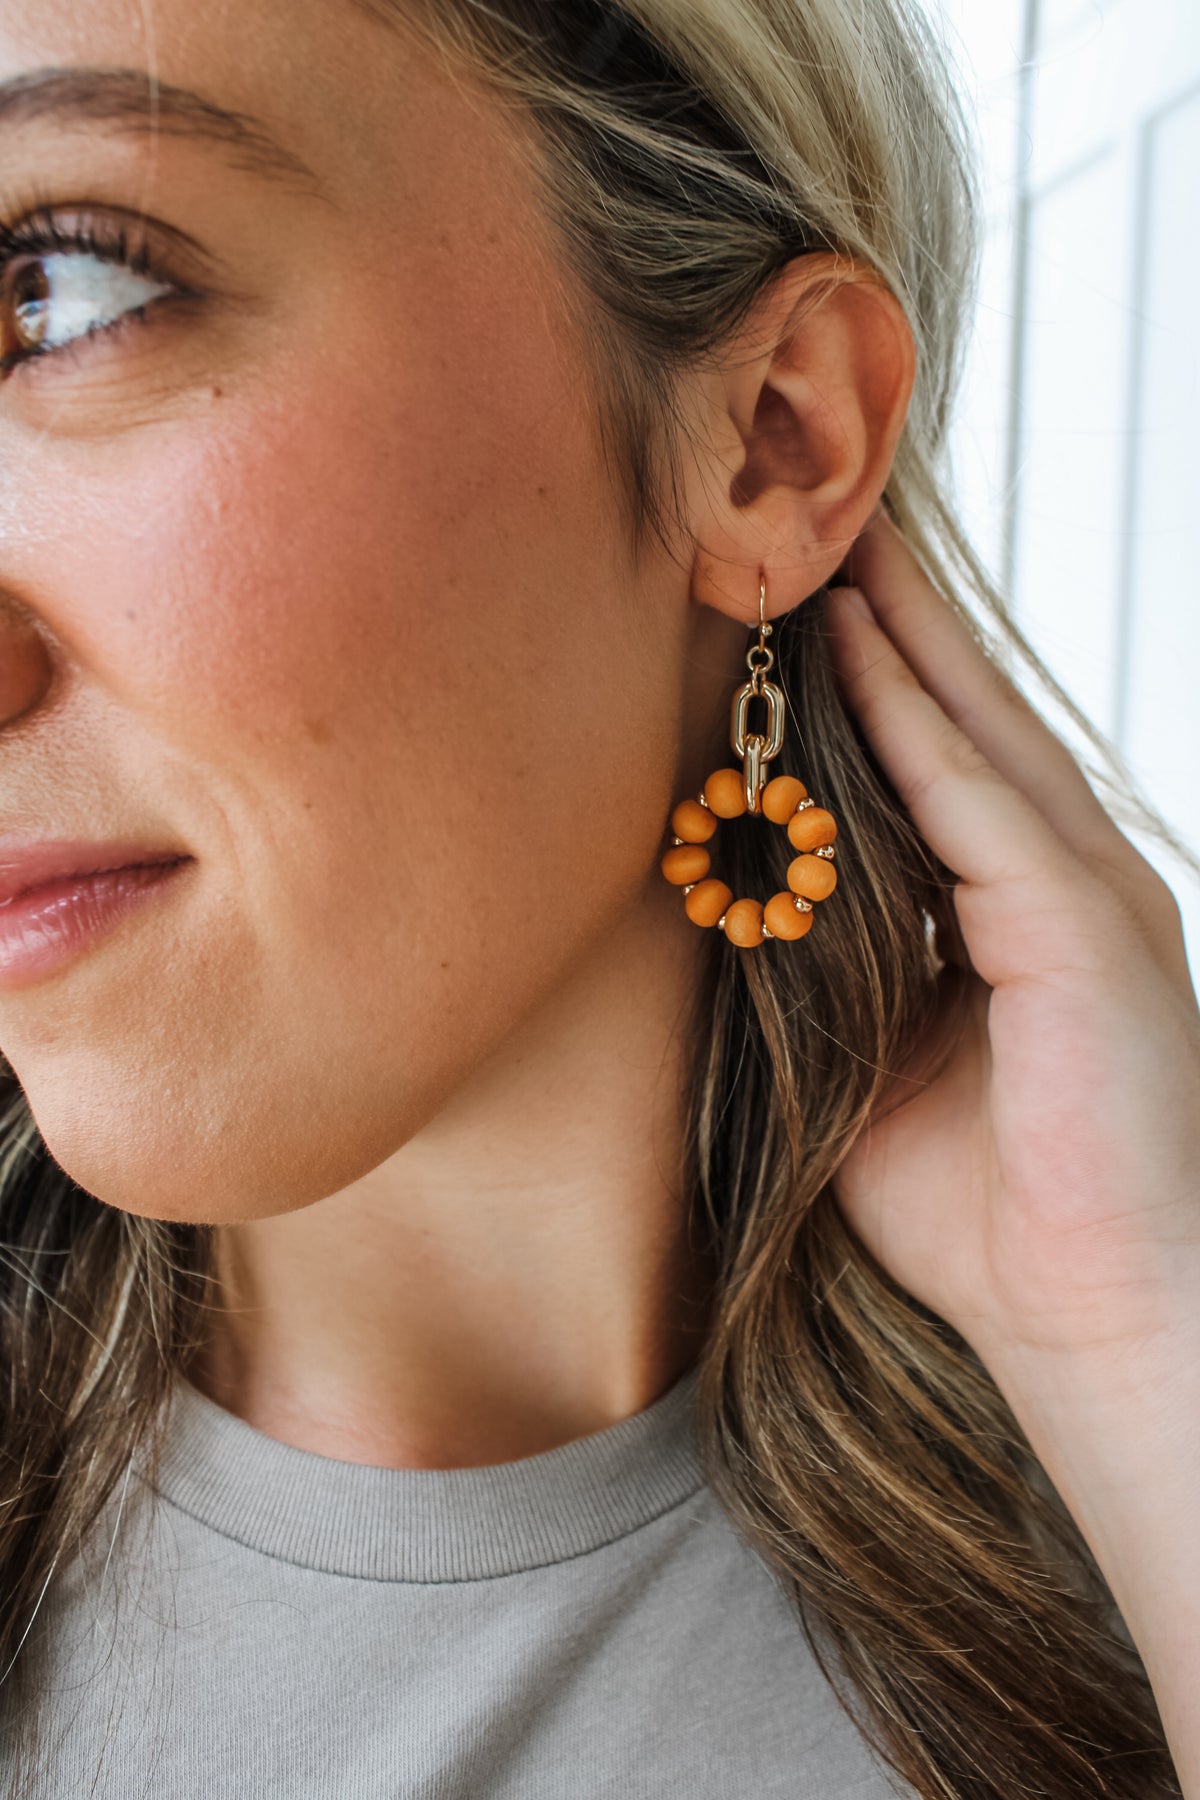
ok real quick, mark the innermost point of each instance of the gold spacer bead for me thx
(766, 933)
(803, 905)
(721, 923)
(676, 840)
(689, 887)
(805, 804)
(701, 800)
(825, 850)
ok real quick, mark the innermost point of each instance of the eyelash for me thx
(113, 241)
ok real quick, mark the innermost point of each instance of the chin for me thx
(227, 1152)
(143, 1155)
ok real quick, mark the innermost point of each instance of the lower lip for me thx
(42, 931)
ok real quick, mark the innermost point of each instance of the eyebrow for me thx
(132, 101)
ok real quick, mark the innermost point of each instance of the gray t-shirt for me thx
(580, 1623)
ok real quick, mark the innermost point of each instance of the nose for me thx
(25, 666)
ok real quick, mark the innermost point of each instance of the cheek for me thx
(387, 654)
(392, 536)
(376, 614)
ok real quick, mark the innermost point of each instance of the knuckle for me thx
(1144, 896)
(953, 757)
(961, 753)
(1151, 904)
(1161, 896)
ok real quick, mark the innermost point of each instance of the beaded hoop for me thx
(811, 875)
(785, 801)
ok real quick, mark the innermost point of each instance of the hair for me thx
(687, 151)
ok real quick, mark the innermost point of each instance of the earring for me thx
(784, 801)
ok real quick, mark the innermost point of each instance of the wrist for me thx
(1116, 1430)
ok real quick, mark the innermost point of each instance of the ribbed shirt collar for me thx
(427, 1525)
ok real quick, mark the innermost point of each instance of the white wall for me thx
(1077, 451)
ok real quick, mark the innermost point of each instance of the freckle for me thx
(217, 393)
(542, 492)
(130, 613)
(318, 731)
(445, 965)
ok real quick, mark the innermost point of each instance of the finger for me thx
(977, 695)
(972, 816)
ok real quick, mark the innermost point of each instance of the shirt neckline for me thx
(427, 1525)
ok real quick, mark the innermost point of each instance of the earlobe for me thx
(814, 394)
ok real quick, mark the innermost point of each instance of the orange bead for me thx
(685, 863)
(812, 876)
(780, 798)
(781, 918)
(692, 822)
(809, 829)
(707, 901)
(743, 923)
(725, 792)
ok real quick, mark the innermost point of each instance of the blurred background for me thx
(1077, 451)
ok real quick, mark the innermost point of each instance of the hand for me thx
(1042, 1194)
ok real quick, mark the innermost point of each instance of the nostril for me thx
(25, 667)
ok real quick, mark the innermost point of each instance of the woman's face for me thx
(310, 573)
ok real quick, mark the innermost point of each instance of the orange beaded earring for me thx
(730, 792)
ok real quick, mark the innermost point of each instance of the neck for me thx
(519, 1273)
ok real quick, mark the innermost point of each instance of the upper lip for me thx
(26, 867)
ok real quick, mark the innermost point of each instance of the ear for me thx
(793, 433)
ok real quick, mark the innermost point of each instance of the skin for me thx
(1062, 1235)
(321, 580)
(259, 566)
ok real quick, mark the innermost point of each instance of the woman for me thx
(480, 1321)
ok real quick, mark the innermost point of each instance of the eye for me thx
(57, 289)
(55, 299)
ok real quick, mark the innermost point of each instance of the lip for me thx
(25, 867)
(58, 899)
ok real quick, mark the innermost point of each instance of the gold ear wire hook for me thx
(759, 658)
(755, 749)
